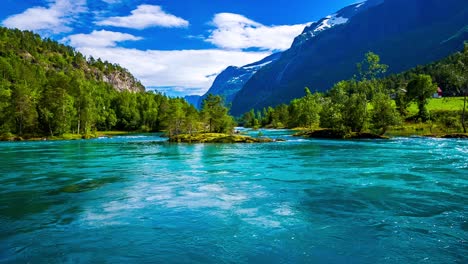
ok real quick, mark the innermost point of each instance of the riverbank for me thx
(241, 138)
(217, 138)
(13, 137)
(336, 134)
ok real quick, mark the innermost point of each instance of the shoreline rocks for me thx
(450, 136)
(216, 138)
(336, 134)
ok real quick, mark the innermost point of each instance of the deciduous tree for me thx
(420, 89)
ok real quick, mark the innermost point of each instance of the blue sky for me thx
(174, 46)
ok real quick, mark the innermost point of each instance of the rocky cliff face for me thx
(123, 81)
(404, 33)
(26, 50)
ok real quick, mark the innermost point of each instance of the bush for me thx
(452, 123)
(7, 136)
(145, 128)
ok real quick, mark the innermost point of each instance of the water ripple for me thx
(138, 199)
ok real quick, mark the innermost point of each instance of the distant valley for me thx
(403, 33)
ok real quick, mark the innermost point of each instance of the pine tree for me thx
(216, 115)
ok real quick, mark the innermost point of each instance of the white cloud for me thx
(102, 38)
(184, 71)
(235, 31)
(54, 19)
(180, 71)
(111, 1)
(145, 16)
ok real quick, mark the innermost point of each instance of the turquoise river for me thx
(138, 199)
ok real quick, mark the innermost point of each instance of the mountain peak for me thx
(403, 33)
(333, 20)
(233, 78)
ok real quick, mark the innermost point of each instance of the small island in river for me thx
(217, 138)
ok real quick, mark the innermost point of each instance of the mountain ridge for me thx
(232, 79)
(60, 57)
(390, 28)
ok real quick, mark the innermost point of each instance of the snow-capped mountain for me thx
(233, 78)
(230, 81)
(330, 21)
(404, 33)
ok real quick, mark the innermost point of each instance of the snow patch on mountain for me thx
(330, 21)
(315, 28)
(233, 78)
(360, 4)
(258, 66)
(341, 17)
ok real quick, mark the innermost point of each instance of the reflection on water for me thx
(139, 199)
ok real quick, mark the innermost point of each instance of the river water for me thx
(137, 199)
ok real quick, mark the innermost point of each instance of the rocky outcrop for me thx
(122, 81)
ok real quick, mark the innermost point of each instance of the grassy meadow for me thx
(440, 104)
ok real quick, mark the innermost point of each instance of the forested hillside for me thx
(365, 101)
(450, 73)
(404, 34)
(49, 89)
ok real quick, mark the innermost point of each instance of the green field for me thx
(440, 104)
(447, 104)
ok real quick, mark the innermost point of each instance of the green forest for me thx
(49, 89)
(371, 102)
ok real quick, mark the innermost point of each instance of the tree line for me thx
(49, 89)
(370, 102)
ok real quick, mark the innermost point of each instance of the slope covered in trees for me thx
(405, 33)
(365, 102)
(49, 89)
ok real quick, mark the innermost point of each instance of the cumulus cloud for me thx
(145, 16)
(178, 71)
(102, 38)
(54, 19)
(234, 31)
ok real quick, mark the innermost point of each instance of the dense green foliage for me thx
(49, 89)
(404, 33)
(365, 102)
(304, 112)
(451, 74)
(421, 89)
(215, 115)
